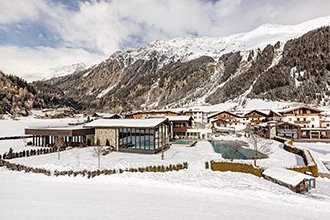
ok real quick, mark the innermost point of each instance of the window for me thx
(290, 119)
(315, 135)
(312, 119)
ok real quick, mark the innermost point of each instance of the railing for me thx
(180, 129)
(287, 130)
(302, 122)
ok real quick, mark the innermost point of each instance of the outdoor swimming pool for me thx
(185, 142)
(228, 150)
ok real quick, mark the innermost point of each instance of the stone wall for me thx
(106, 136)
(91, 139)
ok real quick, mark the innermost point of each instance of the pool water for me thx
(185, 143)
(182, 142)
(228, 152)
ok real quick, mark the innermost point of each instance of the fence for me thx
(29, 153)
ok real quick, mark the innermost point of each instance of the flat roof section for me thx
(126, 123)
(59, 131)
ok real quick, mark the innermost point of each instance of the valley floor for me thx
(193, 193)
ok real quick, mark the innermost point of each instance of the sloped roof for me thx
(264, 113)
(275, 112)
(301, 107)
(157, 111)
(218, 113)
(105, 115)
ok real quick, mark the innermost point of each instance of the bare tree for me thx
(261, 146)
(59, 143)
(97, 152)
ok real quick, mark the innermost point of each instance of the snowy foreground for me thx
(194, 193)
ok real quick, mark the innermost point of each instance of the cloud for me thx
(35, 63)
(18, 10)
(44, 29)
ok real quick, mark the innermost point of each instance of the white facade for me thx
(304, 116)
(198, 116)
(325, 122)
(304, 121)
(203, 134)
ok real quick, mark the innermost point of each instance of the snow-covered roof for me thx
(160, 111)
(141, 123)
(179, 118)
(262, 112)
(302, 107)
(236, 114)
(106, 115)
(287, 176)
(57, 128)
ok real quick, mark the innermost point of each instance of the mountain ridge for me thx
(190, 71)
(147, 78)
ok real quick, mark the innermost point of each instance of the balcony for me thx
(287, 131)
(180, 129)
(302, 122)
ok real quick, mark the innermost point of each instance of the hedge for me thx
(89, 174)
(236, 167)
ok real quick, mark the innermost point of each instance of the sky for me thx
(37, 35)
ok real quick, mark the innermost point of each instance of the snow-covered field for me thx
(193, 193)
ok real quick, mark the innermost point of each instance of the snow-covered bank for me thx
(137, 196)
(193, 193)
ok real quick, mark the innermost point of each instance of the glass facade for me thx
(143, 139)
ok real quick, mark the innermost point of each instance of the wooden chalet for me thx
(274, 116)
(152, 114)
(288, 130)
(106, 115)
(305, 116)
(224, 119)
(256, 117)
(179, 126)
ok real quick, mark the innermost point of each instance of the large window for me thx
(136, 138)
(143, 139)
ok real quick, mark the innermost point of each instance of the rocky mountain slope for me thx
(17, 97)
(190, 70)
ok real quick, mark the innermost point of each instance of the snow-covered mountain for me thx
(191, 47)
(263, 63)
(64, 70)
